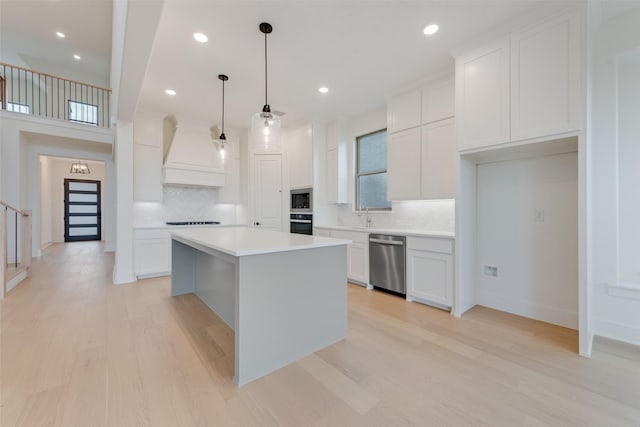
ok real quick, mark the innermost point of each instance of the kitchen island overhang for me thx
(284, 295)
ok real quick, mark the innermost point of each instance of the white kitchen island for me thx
(284, 295)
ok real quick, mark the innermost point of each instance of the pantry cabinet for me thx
(545, 78)
(482, 96)
(525, 86)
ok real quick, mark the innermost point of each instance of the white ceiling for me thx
(27, 37)
(363, 51)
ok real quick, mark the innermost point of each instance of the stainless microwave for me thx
(302, 200)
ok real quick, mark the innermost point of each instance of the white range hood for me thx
(191, 156)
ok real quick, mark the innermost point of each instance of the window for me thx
(17, 108)
(80, 112)
(371, 171)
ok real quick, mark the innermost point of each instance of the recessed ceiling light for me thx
(199, 37)
(431, 29)
(76, 57)
(170, 92)
(60, 34)
(323, 89)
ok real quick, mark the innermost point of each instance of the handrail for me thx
(53, 76)
(7, 205)
(34, 93)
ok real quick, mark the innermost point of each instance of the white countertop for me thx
(242, 241)
(391, 231)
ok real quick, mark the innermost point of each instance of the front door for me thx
(268, 191)
(82, 210)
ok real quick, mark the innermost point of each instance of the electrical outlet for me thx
(490, 270)
(539, 215)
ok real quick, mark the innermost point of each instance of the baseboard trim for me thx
(554, 315)
(618, 331)
(123, 277)
(16, 280)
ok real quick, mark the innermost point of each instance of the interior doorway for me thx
(82, 210)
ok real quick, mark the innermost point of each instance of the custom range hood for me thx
(191, 156)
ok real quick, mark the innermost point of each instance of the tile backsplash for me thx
(186, 203)
(431, 215)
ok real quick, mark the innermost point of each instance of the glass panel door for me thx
(82, 210)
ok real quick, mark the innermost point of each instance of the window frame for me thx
(357, 174)
(81, 104)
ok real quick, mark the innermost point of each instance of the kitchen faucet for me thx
(368, 217)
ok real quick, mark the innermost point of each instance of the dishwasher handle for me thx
(387, 242)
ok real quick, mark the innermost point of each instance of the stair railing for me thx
(15, 246)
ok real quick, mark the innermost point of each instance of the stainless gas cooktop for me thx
(193, 222)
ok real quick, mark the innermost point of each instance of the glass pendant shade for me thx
(265, 131)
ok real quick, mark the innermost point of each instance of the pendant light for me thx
(78, 167)
(265, 126)
(222, 138)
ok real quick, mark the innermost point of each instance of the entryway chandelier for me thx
(78, 167)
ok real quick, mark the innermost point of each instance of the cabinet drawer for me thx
(151, 234)
(430, 244)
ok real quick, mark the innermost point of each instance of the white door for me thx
(267, 190)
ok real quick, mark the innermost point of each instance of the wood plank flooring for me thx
(77, 350)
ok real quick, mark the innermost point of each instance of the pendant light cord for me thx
(223, 107)
(265, 69)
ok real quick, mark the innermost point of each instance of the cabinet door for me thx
(482, 96)
(439, 164)
(430, 277)
(403, 112)
(545, 78)
(300, 155)
(403, 165)
(332, 176)
(438, 101)
(358, 262)
(147, 173)
(152, 257)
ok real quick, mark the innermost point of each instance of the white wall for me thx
(527, 228)
(629, 172)
(45, 201)
(432, 215)
(616, 311)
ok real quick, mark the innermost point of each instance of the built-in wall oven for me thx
(301, 223)
(302, 200)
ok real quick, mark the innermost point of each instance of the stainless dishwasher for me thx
(387, 262)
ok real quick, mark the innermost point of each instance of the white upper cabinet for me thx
(404, 165)
(300, 157)
(545, 78)
(439, 160)
(403, 112)
(438, 101)
(147, 128)
(526, 86)
(147, 157)
(482, 96)
(336, 164)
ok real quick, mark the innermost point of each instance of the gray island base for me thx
(284, 295)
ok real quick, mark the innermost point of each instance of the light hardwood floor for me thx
(79, 351)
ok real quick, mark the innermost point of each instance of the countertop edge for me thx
(392, 231)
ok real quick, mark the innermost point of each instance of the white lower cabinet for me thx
(357, 252)
(430, 270)
(151, 253)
